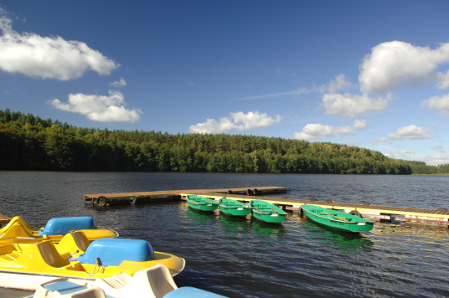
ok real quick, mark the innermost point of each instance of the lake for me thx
(246, 258)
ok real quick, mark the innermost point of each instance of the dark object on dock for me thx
(102, 200)
(252, 192)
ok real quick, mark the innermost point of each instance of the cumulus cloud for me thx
(99, 107)
(48, 57)
(406, 152)
(438, 103)
(237, 122)
(339, 83)
(353, 105)
(119, 83)
(360, 124)
(378, 140)
(438, 148)
(317, 131)
(395, 64)
(443, 80)
(437, 159)
(411, 132)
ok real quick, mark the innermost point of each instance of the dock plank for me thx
(246, 194)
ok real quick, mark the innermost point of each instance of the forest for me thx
(31, 143)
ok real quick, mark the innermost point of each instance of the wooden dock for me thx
(378, 213)
(4, 219)
(138, 197)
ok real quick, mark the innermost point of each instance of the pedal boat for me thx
(56, 228)
(154, 282)
(25, 262)
(234, 208)
(267, 212)
(337, 220)
(201, 203)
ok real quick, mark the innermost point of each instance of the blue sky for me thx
(372, 74)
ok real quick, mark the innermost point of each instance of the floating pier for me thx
(141, 197)
(396, 215)
(4, 219)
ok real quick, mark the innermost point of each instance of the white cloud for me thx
(438, 103)
(296, 92)
(317, 131)
(378, 140)
(443, 80)
(237, 122)
(438, 148)
(405, 152)
(395, 64)
(437, 159)
(360, 124)
(339, 83)
(99, 108)
(353, 105)
(119, 83)
(48, 57)
(411, 132)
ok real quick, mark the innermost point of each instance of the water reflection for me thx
(234, 223)
(266, 229)
(337, 238)
(201, 216)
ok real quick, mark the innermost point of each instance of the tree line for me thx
(31, 143)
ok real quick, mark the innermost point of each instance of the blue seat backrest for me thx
(113, 251)
(63, 225)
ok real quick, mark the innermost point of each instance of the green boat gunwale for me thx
(233, 207)
(337, 220)
(201, 203)
(343, 221)
(267, 212)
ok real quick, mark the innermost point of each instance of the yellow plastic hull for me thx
(18, 227)
(24, 262)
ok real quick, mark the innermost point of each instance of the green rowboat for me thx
(234, 208)
(201, 203)
(337, 220)
(267, 212)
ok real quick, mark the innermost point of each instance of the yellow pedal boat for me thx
(56, 228)
(25, 263)
(154, 282)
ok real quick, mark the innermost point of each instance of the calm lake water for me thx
(246, 258)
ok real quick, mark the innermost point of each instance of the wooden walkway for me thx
(378, 213)
(135, 197)
(4, 219)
